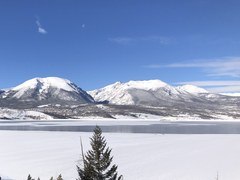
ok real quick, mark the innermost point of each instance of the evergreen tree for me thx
(29, 177)
(59, 177)
(97, 161)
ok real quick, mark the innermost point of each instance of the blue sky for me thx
(94, 43)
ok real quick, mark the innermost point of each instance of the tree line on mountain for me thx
(96, 162)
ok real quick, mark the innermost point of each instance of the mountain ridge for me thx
(57, 98)
(125, 93)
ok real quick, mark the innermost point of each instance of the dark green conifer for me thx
(29, 177)
(59, 177)
(97, 161)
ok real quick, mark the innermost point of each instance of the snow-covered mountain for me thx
(151, 92)
(50, 90)
(52, 97)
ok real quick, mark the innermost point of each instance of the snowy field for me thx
(139, 156)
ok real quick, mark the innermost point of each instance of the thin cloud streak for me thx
(127, 40)
(210, 83)
(121, 40)
(229, 66)
(41, 30)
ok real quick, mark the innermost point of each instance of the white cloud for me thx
(228, 66)
(41, 30)
(128, 40)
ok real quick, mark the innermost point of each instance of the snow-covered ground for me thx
(22, 114)
(231, 94)
(139, 156)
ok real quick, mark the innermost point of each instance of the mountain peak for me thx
(50, 90)
(129, 92)
(192, 89)
(44, 83)
(146, 84)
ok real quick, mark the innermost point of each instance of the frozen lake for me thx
(124, 126)
(159, 150)
(138, 156)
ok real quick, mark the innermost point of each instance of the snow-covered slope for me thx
(231, 94)
(191, 89)
(51, 90)
(146, 92)
(22, 114)
(44, 84)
